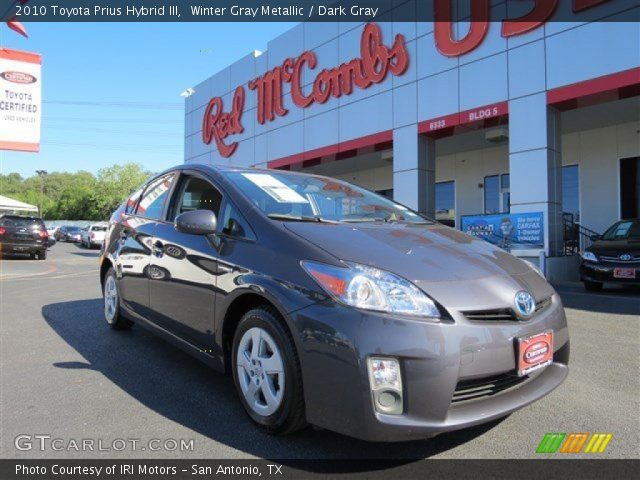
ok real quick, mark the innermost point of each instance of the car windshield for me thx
(98, 229)
(73, 229)
(20, 222)
(296, 197)
(625, 230)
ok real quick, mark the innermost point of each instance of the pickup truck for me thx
(93, 235)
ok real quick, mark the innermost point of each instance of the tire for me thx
(275, 417)
(592, 286)
(42, 255)
(111, 296)
(32, 256)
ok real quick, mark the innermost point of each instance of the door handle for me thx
(157, 248)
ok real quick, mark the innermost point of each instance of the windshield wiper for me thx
(298, 218)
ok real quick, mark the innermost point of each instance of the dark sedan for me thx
(330, 305)
(614, 257)
(69, 233)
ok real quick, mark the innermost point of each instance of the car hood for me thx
(615, 247)
(455, 268)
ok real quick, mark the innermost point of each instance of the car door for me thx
(134, 243)
(183, 267)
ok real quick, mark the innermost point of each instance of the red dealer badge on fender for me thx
(218, 124)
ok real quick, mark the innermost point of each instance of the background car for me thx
(613, 257)
(23, 235)
(69, 233)
(93, 236)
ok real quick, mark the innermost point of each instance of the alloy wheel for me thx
(260, 371)
(110, 299)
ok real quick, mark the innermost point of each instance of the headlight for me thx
(589, 256)
(372, 289)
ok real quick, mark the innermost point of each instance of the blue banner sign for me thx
(511, 231)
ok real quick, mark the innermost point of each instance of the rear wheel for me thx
(111, 295)
(592, 286)
(266, 372)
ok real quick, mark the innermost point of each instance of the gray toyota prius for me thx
(330, 305)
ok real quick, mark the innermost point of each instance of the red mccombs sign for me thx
(375, 63)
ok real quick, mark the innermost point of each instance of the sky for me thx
(141, 68)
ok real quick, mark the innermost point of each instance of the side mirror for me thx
(595, 238)
(196, 222)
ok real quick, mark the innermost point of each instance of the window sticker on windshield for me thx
(622, 229)
(277, 190)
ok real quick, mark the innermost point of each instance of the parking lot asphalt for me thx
(64, 373)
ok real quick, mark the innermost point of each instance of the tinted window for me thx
(152, 202)
(198, 194)
(234, 224)
(445, 200)
(571, 191)
(492, 194)
(98, 229)
(131, 201)
(20, 222)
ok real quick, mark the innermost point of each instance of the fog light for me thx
(385, 381)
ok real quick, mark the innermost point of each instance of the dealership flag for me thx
(20, 100)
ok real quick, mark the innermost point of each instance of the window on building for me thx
(571, 191)
(630, 187)
(446, 202)
(151, 204)
(505, 192)
(388, 193)
(492, 194)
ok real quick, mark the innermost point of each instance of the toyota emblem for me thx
(625, 257)
(525, 304)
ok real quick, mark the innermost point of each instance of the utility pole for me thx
(41, 174)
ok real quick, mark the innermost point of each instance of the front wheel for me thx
(266, 372)
(111, 295)
(42, 255)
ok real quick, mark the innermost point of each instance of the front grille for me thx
(485, 387)
(503, 314)
(617, 259)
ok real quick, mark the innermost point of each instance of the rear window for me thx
(98, 229)
(21, 222)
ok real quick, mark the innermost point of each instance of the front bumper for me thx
(604, 272)
(334, 342)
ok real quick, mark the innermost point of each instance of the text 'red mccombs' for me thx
(375, 63)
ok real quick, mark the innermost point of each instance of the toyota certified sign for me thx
(20, 100)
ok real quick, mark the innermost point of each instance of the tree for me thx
(76, 196)
(114, 184)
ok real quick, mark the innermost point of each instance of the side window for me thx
(132, 201)
(198, 194)
(151, 204)
(232, 223)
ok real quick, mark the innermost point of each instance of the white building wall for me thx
(596, 151)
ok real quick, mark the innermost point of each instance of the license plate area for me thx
(624, 272)
(534, 352)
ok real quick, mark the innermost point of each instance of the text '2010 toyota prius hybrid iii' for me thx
(331, 305)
